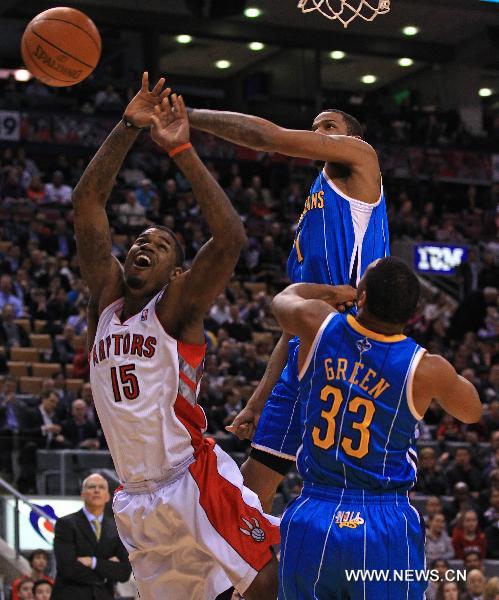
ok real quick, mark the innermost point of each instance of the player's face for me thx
(329, 123)
(150, 262)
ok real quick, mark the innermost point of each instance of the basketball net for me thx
(345, 11)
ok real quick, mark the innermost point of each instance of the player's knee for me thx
(265, 584)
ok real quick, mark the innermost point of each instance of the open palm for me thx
(141, 107)
(170, 123)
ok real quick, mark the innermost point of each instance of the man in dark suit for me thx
(78, 430)
(89, 554)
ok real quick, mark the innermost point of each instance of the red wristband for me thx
(179, 149)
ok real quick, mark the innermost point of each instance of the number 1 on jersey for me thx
(126, 382)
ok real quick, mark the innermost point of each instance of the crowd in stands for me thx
(45, 398)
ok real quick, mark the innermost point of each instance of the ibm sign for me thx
(438, 259)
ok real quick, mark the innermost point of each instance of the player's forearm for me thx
(238, 128)
(99, 177)
(309, 291)
(275, 365)
(224, 222)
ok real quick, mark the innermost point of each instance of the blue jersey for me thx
(337, 237)
(356, 402)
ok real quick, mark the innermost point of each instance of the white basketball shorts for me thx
(198, 535)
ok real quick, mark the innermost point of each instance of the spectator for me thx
(7, 296)
(492, 537)
(472, 561)
(89, 554)
(464, 470)
(36, 192)
(22, 589)
(147, 195)
(107, 99)
(448, 590)
(431, 479)
(38, 561)
(12, 334)
(57, 192)
(42, 590)
(131, 214)
(491, 514)
(438, 543)
(78, 431)
(449, 430)
(433, 506)
(40, 430)
(441, 566)
(467, 536)
(491, 591)
(64, 350)
(475, 586)
(11, 415)
(220, 311)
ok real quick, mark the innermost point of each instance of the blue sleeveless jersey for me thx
(337, 237)
(356, 403)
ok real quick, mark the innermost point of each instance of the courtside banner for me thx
(438, 259)
(34, 530)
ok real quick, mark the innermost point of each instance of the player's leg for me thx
(264, 586)
(262, 473)
(227, 521)
(278, 435)
(309, 561)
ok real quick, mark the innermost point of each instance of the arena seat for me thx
(45, 369)
(25, 324)
(39, 325)
(491, 567)
(428, 444)
(30, 385)
(89, 460)
(18, 368)
(43, 341)
(451, 447)
(27, 354)
(419, 501)
(74, 385)
(48, 477)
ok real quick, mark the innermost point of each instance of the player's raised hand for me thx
(170, 123)
(244, 425)
(141, 107)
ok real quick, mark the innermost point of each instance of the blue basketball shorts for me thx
(341, 544)
(279, 430)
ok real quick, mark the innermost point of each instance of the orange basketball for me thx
(61, 46)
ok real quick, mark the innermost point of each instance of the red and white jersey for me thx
(145, 385)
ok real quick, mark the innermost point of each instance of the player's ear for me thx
(361, 298)
(176, 272)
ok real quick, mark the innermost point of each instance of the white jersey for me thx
(145, 385)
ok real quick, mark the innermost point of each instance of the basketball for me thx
(61, 46)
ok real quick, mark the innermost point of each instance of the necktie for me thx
(97, 526)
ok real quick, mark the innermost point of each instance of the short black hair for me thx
(353, 126)
(179, 251)
(40, 582)
(37, 552)
(392, 290)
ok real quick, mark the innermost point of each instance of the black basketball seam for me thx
(61, 50)
(98, 45)
(35, 62)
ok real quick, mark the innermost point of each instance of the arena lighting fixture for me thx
(485, 92)
(337, 54)
(405, 62)
(184, 39)
(368, 79)
(256, 46)
(252, 12)
(410, 30)
(223, 64)
(22, 75)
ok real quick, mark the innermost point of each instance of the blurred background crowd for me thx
(438, 190)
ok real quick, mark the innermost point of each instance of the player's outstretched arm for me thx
(436, 378)
(302, 307)
(260, 134)
(214, 264)
(99, 269)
